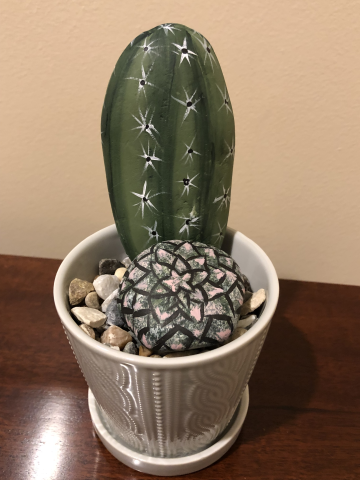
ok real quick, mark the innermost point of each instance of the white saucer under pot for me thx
(166, 416)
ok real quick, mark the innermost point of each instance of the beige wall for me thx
(293, 73)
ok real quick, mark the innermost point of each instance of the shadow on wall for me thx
(284, 379)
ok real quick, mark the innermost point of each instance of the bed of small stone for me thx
(94, 307)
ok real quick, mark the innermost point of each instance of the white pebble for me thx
(88, 330)
(254, 302)
(90, 316)
(106, 302)
(105, 285)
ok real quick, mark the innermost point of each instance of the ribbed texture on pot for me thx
(168, 413)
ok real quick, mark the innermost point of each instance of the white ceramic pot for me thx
(167, 407)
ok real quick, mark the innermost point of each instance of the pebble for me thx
(247, 321)
(144, 352)
(108, 266)
(238, 332)
(253, 302)
(100, 330)
(247, 295)
(113, 316)
(105, 285)
(131, 348)
(127, 262)
(88, 330)
(106, 302)
(116, 336)
(246, 282)
(90, 316)
(78, 289)
(186, 353)
(108, 326)
(120, 272)
(92, 300)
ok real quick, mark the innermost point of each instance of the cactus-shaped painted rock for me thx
(179, 295)
(168, 140)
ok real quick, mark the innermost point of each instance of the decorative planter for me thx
(166, 408)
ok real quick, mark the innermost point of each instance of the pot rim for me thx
(163, 363)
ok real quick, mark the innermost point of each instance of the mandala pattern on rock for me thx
(180, 295)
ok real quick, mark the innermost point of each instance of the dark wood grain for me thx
(304, 415)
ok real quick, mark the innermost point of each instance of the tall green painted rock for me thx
(168, 140)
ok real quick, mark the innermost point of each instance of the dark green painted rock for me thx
(168, 140)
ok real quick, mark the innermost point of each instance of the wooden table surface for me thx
(304, 415)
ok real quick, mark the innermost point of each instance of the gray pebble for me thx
(108, 300)
(108, 266)
(246, 282)
(113, 315)
(131, 348)
(92, 300)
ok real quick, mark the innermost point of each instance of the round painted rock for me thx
(179, 295)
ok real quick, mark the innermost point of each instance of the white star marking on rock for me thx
(153, 234)
(220, 235)
(145, 125)
(225, 198)
(187, 183)
(143, 80)
(145, 200)
(149, 158)
(189, 104)
(168, 27)
(208, 51)
(189, 221)
(189, 152)
(226, 100)
(184, 51)
(231, 151)
(148, 49)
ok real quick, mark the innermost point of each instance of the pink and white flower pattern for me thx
(179, 295)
